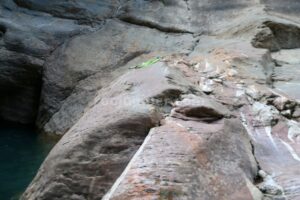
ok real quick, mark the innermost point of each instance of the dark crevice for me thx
(187, 5)
(153, 25)
(164, 101)
(194, 46)
(130, 57)
(257, 179)
(2, 30)
(202, 113)
(5, 123)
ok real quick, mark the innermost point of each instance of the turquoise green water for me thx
(21, 153)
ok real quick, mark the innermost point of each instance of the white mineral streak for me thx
(244, 122)
(294, 130)
(268, 130)
(291, 150)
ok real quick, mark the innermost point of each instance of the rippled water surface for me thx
(21, 153)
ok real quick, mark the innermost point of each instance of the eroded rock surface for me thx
(191, 160)
(199, 108)
(99, 146)
(75, 72)
(221, 106)
(27, 38)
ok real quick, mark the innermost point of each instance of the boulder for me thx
(199, 108)
(276, 35)
(269, 186)
(95, 151)
(264, 115)
(78, 65)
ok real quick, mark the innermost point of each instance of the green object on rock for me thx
(148, 63)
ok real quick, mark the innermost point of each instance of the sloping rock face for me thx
(291, 8)
(189, 160)
(247, 80)
(73, 75)
(216, 118)
(112, 129)
(32, 30)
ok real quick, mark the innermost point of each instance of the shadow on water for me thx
(22, 151)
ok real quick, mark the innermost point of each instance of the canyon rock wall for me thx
(216, 117)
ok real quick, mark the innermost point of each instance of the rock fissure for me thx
(153, 25)
(257, 179)
(187, 5)
(194, 45)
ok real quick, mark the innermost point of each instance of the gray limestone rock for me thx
(26, 39)
(69, 67)
(95, 151)
(75, 71)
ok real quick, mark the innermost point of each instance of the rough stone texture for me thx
(199, 108)
(79, 52)
(276, 36)
(191, 16)
(26, 38)
(191, 160)
(286, 77)
(84, 11)
(261, 107)
(35, 28)
(268, 185)
(75, 72)
(290, 7)
(99, 146)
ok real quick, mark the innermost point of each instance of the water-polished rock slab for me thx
(191, 160)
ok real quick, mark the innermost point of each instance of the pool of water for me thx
(21, 153)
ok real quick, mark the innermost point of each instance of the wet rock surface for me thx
(217, 117)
